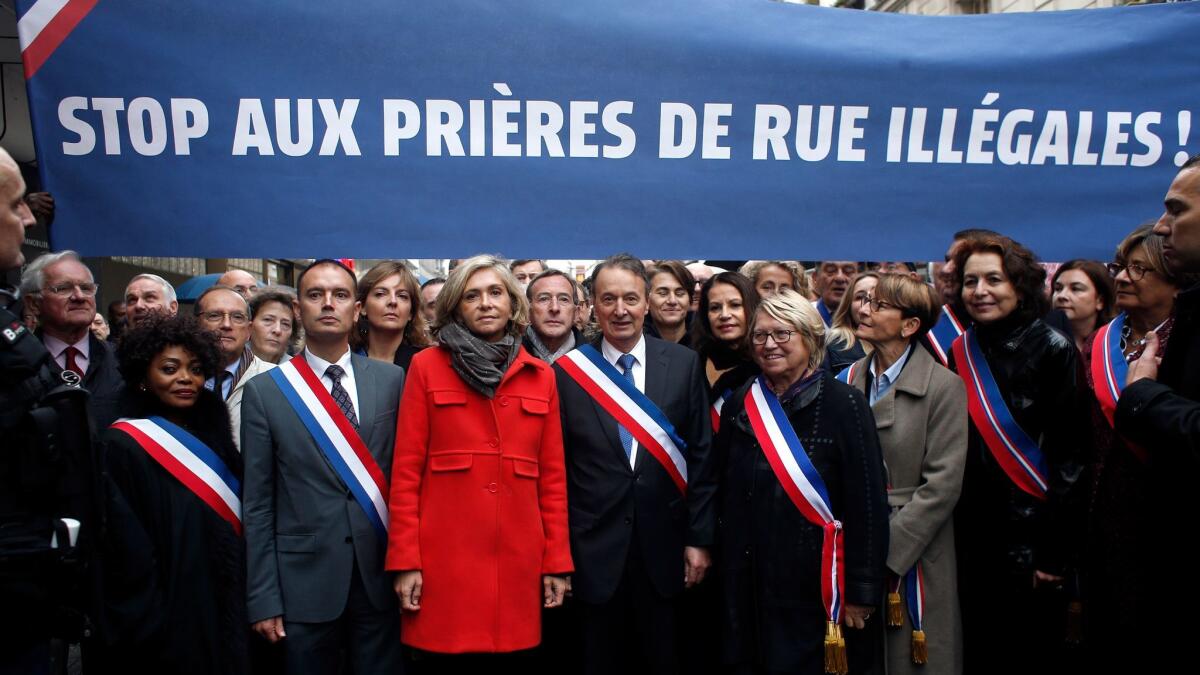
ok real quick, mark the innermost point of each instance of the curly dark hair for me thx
(1020, 265)
(146, 340)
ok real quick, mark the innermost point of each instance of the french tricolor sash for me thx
(339, 442)
(191, 462)
(630, 408)
(914, 595)
(1108, 366)
(803, 485)
(943, 334)
(717, 407)
(1018, 455)
(847, 373)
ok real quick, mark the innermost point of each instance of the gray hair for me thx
(34, 276)
(167, 289)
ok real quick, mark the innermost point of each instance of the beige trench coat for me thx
(922, 424)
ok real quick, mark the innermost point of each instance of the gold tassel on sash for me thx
(835, 650)
(920, 651)
(894, 611)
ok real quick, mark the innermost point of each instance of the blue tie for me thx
(626, 363)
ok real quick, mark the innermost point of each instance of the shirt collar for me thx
(56, 347)
(320, 365)
(889, 376)
(611, 353)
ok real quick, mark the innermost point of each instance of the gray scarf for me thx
(480, 363)
(543, 352)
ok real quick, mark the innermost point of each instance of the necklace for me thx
(1133, 349)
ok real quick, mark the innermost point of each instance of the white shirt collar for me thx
(320, 365)
(56, 347)
(611, 353)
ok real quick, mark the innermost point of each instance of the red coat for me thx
(478, 504)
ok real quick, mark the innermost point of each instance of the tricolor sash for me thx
(1108, 366)
(630, 408)
(191, 462)
(802, 483)
(943, 334)
(339, 441)
(914, 592)
(717, 407)
(1018, 455)
(847, 373)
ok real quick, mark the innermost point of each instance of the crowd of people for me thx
(665, 468)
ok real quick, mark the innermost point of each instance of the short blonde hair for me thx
(446, 307)
(752, 268)
(795, 310)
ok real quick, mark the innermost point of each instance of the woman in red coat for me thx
(478, 503)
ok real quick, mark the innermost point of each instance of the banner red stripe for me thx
(39, 51)
(181, 473)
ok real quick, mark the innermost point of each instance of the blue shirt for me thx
(882, 383)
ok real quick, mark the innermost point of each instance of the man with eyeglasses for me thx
(61, 292)
(552, 310)
(223, 311)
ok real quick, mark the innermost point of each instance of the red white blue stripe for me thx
(802, 484)
(1109, 368)
(943, 334)
(43, 27)
(338, 440)
(847, 373)
(717, 407)
(1018, 455)
(914, 590)
(630, 408)
(191, 462)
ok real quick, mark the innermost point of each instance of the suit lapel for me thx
(364, 382)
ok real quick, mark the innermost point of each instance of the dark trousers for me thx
(429, 663)
(368, 638)
(634, 632)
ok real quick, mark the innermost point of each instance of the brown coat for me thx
(922, 425)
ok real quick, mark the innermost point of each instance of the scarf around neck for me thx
(481, 364)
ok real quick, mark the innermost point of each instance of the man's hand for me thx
(271, 629)
(1044, 579)
(855, 616)
(41, 204)
(408, 589)
(1145, 367)
(696, 562)
(554, 588)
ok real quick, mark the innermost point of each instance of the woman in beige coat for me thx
(921, 415)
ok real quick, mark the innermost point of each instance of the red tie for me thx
(71, 364)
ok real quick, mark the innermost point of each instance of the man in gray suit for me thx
(315, 543)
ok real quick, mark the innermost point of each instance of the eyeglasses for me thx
(545, 299)
(64, 289)
(215, 317)
(1135, 271)
(759, 337)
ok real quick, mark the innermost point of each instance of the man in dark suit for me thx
(61, 292)
(636, 538)
(315, 577)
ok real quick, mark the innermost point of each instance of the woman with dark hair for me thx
(921, 416)
(478, 532)
(1016, 521)
(1118, 578)
(671, 289)
(273, 323)
(720, 329)
(174, 596)
(1083, 291)
(390, 327)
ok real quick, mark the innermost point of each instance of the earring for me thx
(142, 387)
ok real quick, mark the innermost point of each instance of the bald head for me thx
(241, 281)
(15, 216)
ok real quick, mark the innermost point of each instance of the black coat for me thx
(770, 555)
(103, 382)
(1163, 417)
(1001, 530)
(611, 506)
(174, 585)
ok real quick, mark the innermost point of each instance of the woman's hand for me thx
(554, 588)
(855, 616)
(1043, 579)
(408, 589)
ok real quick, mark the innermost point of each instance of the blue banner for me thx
(673, 128)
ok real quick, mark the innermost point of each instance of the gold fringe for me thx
(1075, 622)
(835, 650)
(894, 611)
(920, 650)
